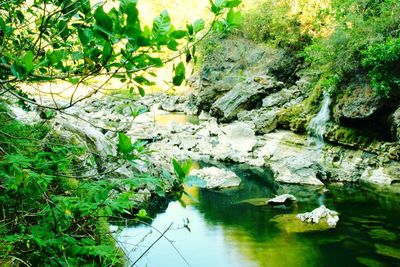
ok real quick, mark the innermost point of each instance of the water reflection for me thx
(227, 232)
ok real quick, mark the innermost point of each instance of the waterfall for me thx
(318, 123)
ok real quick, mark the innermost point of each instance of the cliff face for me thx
(272, 90)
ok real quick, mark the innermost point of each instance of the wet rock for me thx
(217, 178)
(395, 125)
(285, 200)
(317, 215)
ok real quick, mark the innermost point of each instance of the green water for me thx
(225, 232)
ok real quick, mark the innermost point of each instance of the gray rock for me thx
(244, 95)
(264, 121)
(217, 178)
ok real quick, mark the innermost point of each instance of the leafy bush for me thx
(383, 63)
(289, 24)
(360, 27)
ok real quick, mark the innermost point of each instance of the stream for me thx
(228, 230)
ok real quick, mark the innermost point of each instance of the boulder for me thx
(285, 200)
(318, 215)
(264, 121)
(245, 95)
(298, 170)
(216, 178)
(359, 102)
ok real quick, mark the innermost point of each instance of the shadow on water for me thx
(227, 232)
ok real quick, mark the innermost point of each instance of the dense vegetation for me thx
(338, 38)
(50, 215)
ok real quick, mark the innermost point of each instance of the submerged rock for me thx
(382, 234)
(388, 251)
(317, 215)
(285, 199)
(291, 224)
(217, 178)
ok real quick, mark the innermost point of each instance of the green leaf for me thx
(142, 214)
(161, 27)
(234, 19)
(124, 143)
(125, 5)
(233, 3)
(27, 62)
(2, 25)
(198, 25)
(179, 34)
(141, 91)
(103, 21)
(179, 74)
(178, 170)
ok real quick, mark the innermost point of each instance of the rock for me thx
(388, 251)
(263, 120)
(370, 262)
(382, 234)
(255, 201)
(319, 214)
(285, 199)
(298, 170)
(217, 178)
(291, 224)
(394, 121)
(238, 136)
(244, 95)
(380, 175)
(360, 102)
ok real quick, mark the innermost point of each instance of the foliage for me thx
(289, 24)
(363, 39)
(50, 216)
(382, 60)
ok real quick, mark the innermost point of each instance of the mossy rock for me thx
(369, 262)
(255, 201)
(388, 251)
(291, 224)
(382, 234)
(293, 118)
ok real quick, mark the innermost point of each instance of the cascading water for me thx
(318, 123)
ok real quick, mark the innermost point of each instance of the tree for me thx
(48, 217)
(75, 41)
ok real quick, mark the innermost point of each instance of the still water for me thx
(225, 231)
